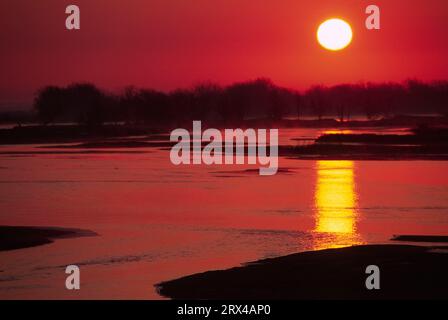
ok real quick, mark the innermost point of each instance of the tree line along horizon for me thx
(85, 103)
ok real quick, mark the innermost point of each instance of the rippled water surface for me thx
(157, 221)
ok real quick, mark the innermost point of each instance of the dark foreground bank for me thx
(406, 272)
(23, 237)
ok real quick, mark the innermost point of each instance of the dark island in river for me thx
(14, 237)
(406, 272)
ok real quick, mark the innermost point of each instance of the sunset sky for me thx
(177, 43)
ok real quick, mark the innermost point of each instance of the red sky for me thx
(177, 43)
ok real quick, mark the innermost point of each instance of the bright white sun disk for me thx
(334, 34)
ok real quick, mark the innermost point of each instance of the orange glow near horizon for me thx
(173, 44)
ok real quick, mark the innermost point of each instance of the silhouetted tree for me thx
(49, 104)
(316, 97)
(181, 104)
(86, 102)
(232, 105)
(298, 104)
(207, 99)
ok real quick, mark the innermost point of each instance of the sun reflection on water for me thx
(336, 205)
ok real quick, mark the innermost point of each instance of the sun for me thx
(334, 34)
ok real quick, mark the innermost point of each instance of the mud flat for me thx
(12, 238)
(406, 272)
